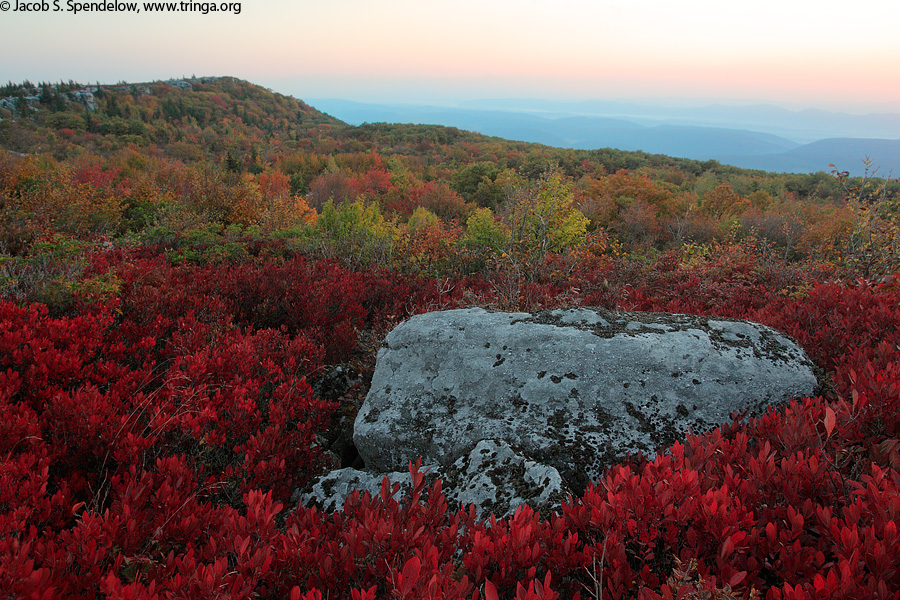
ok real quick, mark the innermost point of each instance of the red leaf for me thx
(737, 578)
(490, 592)
(829, 421)
(818, 583)
(410, 575)
(727, 547)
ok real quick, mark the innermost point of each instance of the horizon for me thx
(646, 102)
(283, 87)
(802, 56)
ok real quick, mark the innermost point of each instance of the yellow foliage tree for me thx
(543, 217)
(722, 202)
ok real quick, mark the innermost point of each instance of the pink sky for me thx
(800, 53)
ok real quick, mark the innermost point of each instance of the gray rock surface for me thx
(493, 477)
(330, 491)
(498, 480)
(573, 389)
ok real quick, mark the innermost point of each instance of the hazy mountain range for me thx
(763, 137)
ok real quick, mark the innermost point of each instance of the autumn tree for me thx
(279, 207)
(358, 232)
(781, 225)
(420, 219)
(334, 186)
(638, 226)
(722, 202)
(478, 183)
(873, 245)
(440, 199)
(688, 224)
(484, 231)
(605, 200)
(542, 215)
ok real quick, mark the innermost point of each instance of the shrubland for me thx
(182, 270)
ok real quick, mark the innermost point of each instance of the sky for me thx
(795, 53)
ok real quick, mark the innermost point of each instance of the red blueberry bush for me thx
(150, 441)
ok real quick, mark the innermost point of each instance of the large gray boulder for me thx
(575, 389)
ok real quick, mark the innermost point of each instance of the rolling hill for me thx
(746, 148)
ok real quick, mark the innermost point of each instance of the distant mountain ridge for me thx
(802, 126)
(846, 154)
(745, 148)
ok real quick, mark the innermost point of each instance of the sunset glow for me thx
(816, 54)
